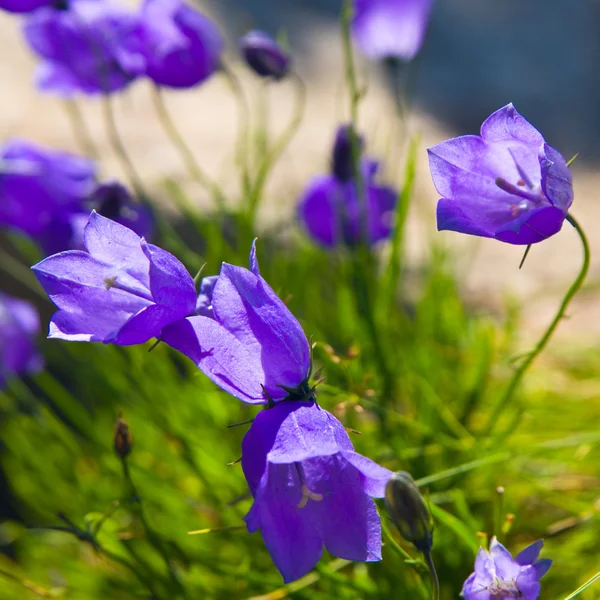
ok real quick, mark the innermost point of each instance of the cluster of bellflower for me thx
(310, 488)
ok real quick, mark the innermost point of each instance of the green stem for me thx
(277, 149)
(434, 576)
(187, 155)
(583, 587)
(543, 341)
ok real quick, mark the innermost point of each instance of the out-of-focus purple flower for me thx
(182, 47)
(19, 325)
(506, 184)
(204, 303)
(498, 576)
(253, 347)
(310, 488)
(24, 6)
(92, 47)
(390, 28)
(41, 189)
(112, 200)
(331, 210)
(346, 143)
(120, 290)
(264, 55)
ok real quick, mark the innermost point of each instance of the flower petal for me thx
(219, 355)
(557, 181)
(506, 567)
(317, 210)
(506, 124)
(450, 217)
(541, 567)
(532, 227)
(529, 555)
(146, 324)
(374, 477)
(528, 584)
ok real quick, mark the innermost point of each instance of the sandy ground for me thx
(208, 118)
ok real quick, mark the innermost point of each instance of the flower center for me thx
(113, 282)
(307, 493)
(502, 589)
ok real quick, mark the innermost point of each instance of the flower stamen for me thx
(307, 493)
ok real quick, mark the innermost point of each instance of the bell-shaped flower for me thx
(506, 183)
(498, 576)
(19, 326)
(264, 55)
(119, 290)
(41, 189)
(24, 6)
(310, 488)
(334, 211)
(390, 28)
(252, 347)
(182, 47)
(91, 47)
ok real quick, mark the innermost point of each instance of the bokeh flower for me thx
(24, 6)
(182, 47)
(331, 208)
(498, 576)
(506, 184)
(19, 325)
(390, 28)
(264, 55)
(41, 189)
(119, 290)
(252, 347)
(310, 488)
(91, 47)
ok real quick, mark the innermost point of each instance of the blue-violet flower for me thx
(19, 325)
(506, 184)
(182, 47)
(498, 576)
(24, 6)
(264, 55)
(390, 28)
(119, 290)
(92, 47)
(252, 347)
(310, 488)
(330, 207)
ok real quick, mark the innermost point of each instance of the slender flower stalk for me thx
(192, 165)
(543, 341)
(81, 131)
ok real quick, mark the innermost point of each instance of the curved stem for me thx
(187, 155)
(278, 147)
(543, 341)
(434, 576)
(117, 145)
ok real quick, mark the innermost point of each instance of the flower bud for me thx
(123, 440)
(408, 512)
(264, 55)
(347, 141)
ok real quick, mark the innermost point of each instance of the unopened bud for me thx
(123, 441)
(408, 511)
(347, 144)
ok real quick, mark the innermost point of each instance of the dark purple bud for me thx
(347, 142)
(123, 440)
(264, 55)
(408, 512)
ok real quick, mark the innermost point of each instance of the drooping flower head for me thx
(390, 28)
(498, 576)
(19, 325)
(252, 346)
(41, 189)
(506, 183)
(182, 47)
(24, 6)
(119, 290)
(91, 47)
(331, 208)
(310, 488)
(264, 55)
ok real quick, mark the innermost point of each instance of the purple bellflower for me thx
(24, 6)
(204, 302)
(252, 346)
(182, 47)
(498, 576)
(264, 55)
(390, 28)
(19, 324)
(119, 290)
(41, 190)
(330, 208)
(506, 184)
(310, 488)
(92, 47)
